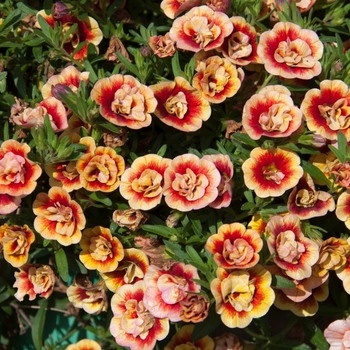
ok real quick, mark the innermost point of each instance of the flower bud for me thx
(59, 10)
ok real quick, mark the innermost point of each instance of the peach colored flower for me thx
(165, 288)
(216, 78)
(87, 31)
(325, 162)
(343, 273)
(294, 253)
(84, 344)
(195, 308)
(342, 174)
(58, 217)
(200, 29)
(240, 47)
(162, 45)
(306, 203)
(242, 295)
(100, 250)
(290, 51)
(342, 210)
(271, 172)
(182, 340)
(337, 334)
(33, 280)
(235, 247)
(15, 242)
(132, 324)
(124, 101)
(180, 105)
(131, 269)
(18, 175)
(142, 184)
(130, 218)
(190, 183)
(271, 112)
(173, 8)
(327, 111)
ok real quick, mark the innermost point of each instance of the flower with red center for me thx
(242, 295)
(224, 165)
(162, 45)
(182, 340)
(18, 175)
(327, 111)
(84, 344)
(271, 112)
(201, 29)
(342, 210)
(271, 172)
(142, 184)
(306, 203)
(291, 52)
(235, 247)
(294, 253)
(69, 77)
(100, 250)
(337, 334)
(131, 269)
(87, 31)
(240, 47)
(216, 78)
(165, 288)
(173, 8)
(15, 242)
(33, 280)
(124, 101)
(257, 224)
(190, 183)
(132, 324)
(180, 105)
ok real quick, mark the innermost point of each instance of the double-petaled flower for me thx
(84, 344)
(173, 8)
(291, 52)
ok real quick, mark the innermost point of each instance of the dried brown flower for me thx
(194, 308)
(114, 140)
(130, 218)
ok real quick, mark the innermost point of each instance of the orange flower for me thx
(87, 31)
(58, 216)
(142, 184)
(217, 79)
(162, 45)
(235, 247)
(84, 344)
(342, 210)
(132, 324)
(201, 29)
(291, 52)
(173, 8)
(190, 183)
(100, 250)
(272, 113)
(124, 101)
(18, 175)
(180, 105)
(242, 295)
(271, 172)
(327, 111)
(16, 241)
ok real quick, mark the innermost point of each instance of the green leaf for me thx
(38, 326)
(206, 327)
(175, 65)
(19, 81)
(26, 9)
(245, 139)
(62, 264)
(45, 27)
(93, 77)
(281, 282)
(101, 197)
(110, 127)
(192, 253)
(163, 231)
(315, 335)
(162, 150)
(337, 153)
(128, 65)
(315, 172)
(175, 251)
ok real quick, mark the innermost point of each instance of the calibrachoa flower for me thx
(235, 247)
(33, 280)
(130, 218)
(58, 217)
(190, 183)
(242, 295)
(18, 175)
(228, 341)
(270, 172)
(180, 105)
(173, 8)
(290, 51)
(195, 308)
(165, 288)
(342, 210)
(182, 340)
(327, 110)
(124, 101)
(15, 242)
(342, 174)
(132, 324)
(294, 253)
(271, 112)
(162, 45)
(216, 78)
(326, 163)
(100, 250)
(343, 274)
(142, 184)
(337, 334)
(200, 29)
(84, 344)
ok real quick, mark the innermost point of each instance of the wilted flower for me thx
(180, 105)
(162, 45)
(33, 280)
(228, 341)
(219, 5)
(15, 242)
(84, 344)
(342, 174)
(337, 334)
(130, 218)
(58, 216)
(195, 308)
(173, 8)
(291, 52)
